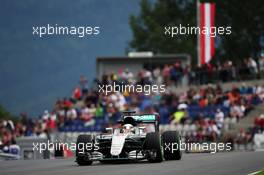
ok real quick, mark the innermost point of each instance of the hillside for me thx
(35, 71)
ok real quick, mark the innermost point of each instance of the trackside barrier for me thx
(70, 137)
(27, 150)
(259, 141)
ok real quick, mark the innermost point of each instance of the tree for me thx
(4, 114)
(245, 17)
(247, 21)
(148, 27)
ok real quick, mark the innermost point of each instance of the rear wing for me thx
(145, 118)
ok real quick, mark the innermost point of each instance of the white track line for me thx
(256, 172)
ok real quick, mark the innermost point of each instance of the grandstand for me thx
(138, 61)
(211, 109)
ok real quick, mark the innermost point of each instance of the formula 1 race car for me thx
(136, 138)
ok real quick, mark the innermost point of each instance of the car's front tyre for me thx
(169, 139)
(81, 158)
(153, 146)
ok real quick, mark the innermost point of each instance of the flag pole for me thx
(198, 35)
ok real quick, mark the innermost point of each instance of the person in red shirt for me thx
(7, 138)
(166, 73)
(203, 102)
(51, 122)
(77, 93)
(67, 103)
(257, 122)
(261, 122)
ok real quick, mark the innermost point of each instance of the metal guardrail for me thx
(27, 150)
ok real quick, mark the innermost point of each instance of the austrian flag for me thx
(206, 45)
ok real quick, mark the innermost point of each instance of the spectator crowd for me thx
(198, 113)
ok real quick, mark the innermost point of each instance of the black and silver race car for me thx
(136, 138)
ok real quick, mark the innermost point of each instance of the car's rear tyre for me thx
(153, 145)
(81, 158)
(169, 139)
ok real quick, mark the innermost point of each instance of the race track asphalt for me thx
(233, 163)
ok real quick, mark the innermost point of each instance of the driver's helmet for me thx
(127, 127)
(128, 124)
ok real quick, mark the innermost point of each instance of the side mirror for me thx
(110, 130)
(141, 129)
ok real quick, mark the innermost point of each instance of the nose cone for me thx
(117, 145)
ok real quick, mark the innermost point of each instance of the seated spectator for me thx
(166, 74)
(71, 114)
(85, 114)
(51, 122)
(67, 104)
(212, 131)
(203, 102)
(259, 123)
(179, 116)
(219, 118)
(77, 94)
(83, 84)
(6, 137)
(127, 76)
(45, 115)
(237, 111)
(99, 112)
(242, 138)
